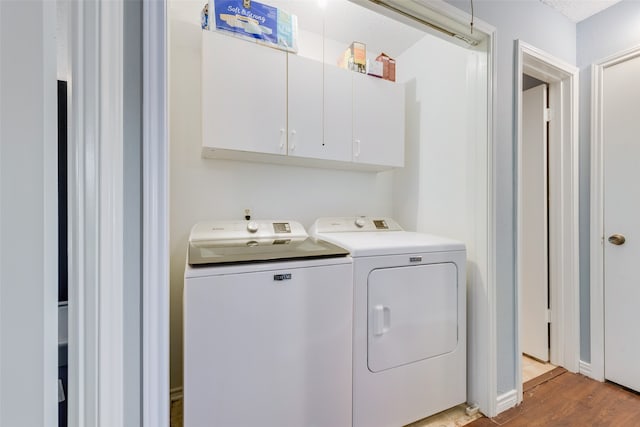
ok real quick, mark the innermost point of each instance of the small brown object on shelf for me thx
(388, 67)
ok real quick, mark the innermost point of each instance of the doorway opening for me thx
(547, 211)
(536, 251)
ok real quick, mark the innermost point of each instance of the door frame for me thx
(96, 335)
(563, 164)
(155, 216)
(597, 210)
(95, 244)
(96, 286)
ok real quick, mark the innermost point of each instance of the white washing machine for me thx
(409, 340)
(267, 327)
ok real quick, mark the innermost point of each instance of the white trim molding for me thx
(507, 401)
(96, 334)
(585, 368)
(597, 210)
(492, 185)
(110, 194)
(596, 249)
(155, 222)
(564, 204)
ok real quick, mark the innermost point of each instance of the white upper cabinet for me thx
(378, 121)
(244, 95)
(264, 104)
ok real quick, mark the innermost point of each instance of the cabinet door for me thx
(305, 107)
(320, 118)
(338, 115)
(378, 121)
(244, 90)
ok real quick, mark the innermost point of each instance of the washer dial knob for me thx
(360, 222)
(252, 227)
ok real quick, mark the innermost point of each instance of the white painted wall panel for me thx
(28, 214)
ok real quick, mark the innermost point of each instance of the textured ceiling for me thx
(577, 10)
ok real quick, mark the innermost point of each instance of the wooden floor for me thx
(560, 398)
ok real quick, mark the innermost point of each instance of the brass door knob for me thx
(617, 239)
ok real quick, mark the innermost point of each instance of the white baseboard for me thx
(585, 369)
(176, 393)
(506, 401)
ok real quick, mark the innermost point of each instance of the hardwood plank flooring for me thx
(560, 398)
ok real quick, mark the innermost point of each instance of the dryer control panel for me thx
(355, 223)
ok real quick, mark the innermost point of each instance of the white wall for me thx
(218, 189)
(28, 214)
(431, 191)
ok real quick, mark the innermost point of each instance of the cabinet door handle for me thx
(282, 137)
(356, 148)
(293, 140)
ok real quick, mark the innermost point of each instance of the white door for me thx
(535, 271)
(621, 142)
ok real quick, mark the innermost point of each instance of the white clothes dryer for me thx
(267, 327)
(409, 339)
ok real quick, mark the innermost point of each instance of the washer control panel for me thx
(254, 229)
(359, 223)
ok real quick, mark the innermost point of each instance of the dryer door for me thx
(413, 314)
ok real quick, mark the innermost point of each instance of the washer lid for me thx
(216, 252)
(215, 242)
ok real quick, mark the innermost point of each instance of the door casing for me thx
(96, 292)
(563, 215)
(155, 219)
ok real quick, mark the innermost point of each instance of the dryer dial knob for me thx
(252, 227)
(360, 222)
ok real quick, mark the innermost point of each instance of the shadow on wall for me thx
(408, 178)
